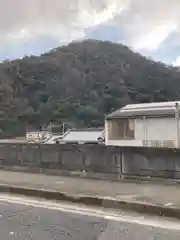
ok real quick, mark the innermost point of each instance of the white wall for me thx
(106, 132)
(156, 129)
(123, 143)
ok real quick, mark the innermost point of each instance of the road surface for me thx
(32, 219)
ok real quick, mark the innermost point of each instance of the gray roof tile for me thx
(83, 135)
(163, 109)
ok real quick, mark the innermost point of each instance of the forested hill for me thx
(79, 84)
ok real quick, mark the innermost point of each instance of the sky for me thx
(151, 27)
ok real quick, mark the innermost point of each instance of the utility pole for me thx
(177, 123)
(145, 130)
(63, 128)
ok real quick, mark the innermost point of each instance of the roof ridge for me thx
(86, 129)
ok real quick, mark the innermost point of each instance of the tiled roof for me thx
(83, 135)
(161, 109)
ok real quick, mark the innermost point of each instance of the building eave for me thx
(139, 116)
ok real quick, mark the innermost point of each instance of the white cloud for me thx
(24, 19)
(156, 37)
(147, 23)
(144, 24)
(177, 62)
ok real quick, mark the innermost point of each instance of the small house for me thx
(147, 124)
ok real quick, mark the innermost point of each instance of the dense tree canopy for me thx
(79, 84)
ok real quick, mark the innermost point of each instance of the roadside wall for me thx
(98, 161)
(151, 162)
(65, 157)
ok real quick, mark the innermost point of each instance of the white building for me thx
(39, 136)
(150, 124)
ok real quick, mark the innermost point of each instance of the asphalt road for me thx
(34, 219)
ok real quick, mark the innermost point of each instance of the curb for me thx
(93, 201)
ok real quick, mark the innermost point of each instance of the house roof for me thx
(88, 135)
(157, 109)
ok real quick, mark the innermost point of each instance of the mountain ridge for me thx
(78, 84)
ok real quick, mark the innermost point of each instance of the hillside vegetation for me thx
(79, 84)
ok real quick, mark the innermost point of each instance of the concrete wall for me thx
(97, 160)
(151, 162)
(156, 129)
(72, 157)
